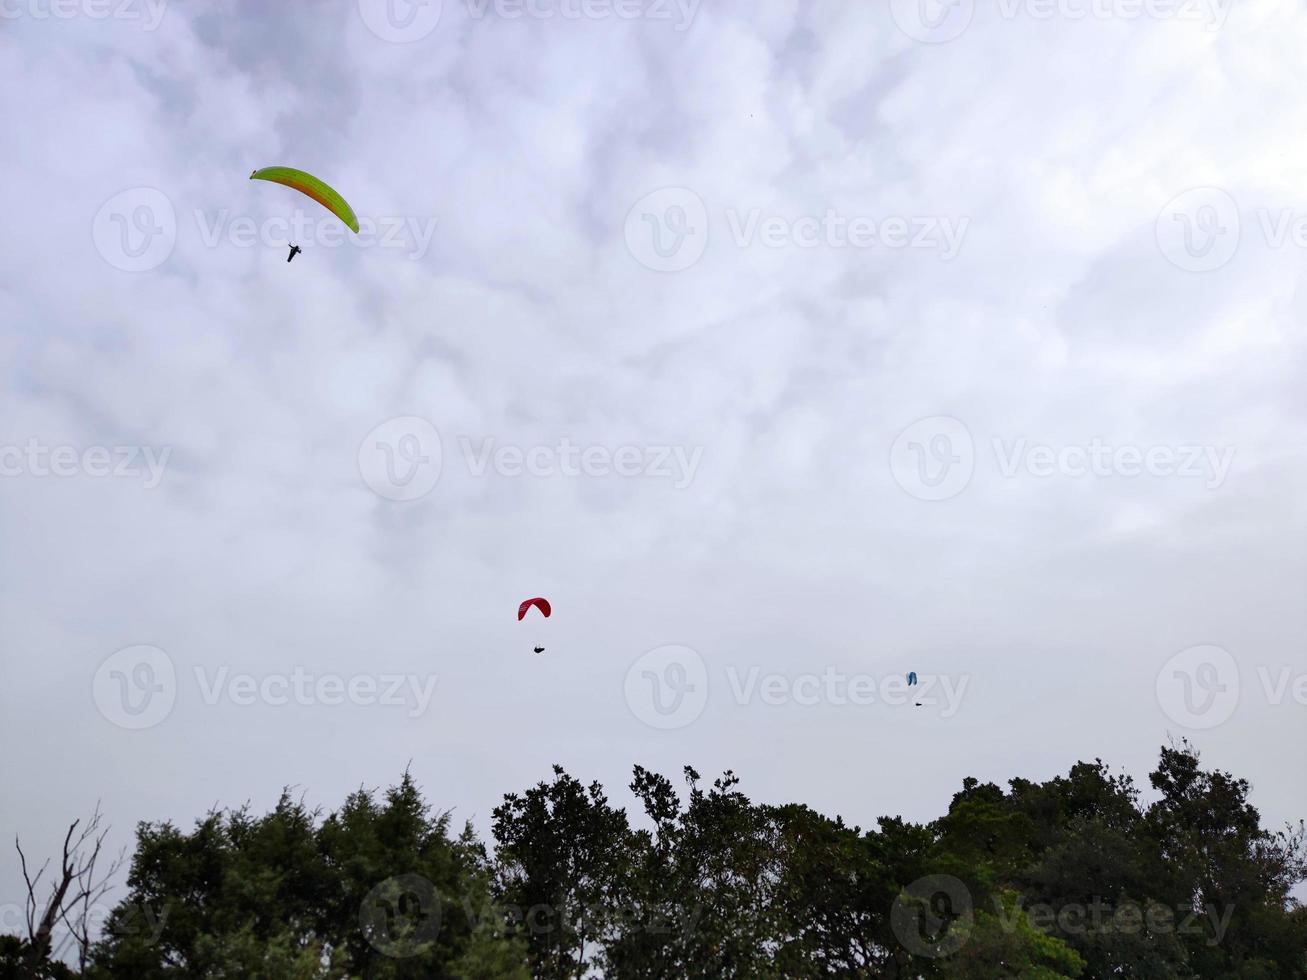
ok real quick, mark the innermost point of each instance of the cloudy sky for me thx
(785, 350)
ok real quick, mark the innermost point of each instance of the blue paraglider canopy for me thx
(912, 677)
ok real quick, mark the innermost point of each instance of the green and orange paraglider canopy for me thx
(310, 186)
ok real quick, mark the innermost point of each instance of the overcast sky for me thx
(785, 350)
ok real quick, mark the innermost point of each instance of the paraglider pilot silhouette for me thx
(311, 187)
(912, 679)
(542, 605)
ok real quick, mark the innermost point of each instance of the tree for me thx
(1073, 877)
(376, 890)
(1007, 944)
(702, 893)
(560, 853)
(74, 891)
(1236, 875)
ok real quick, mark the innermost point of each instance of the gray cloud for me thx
(531, 319)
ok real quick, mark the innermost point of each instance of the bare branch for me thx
(74, 893)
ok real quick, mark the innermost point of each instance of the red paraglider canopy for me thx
(541, 604)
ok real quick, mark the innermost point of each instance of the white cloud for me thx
(529, 320)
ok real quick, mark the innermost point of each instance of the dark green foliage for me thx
(1075, 877)
(376, 890)
(561, 852)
